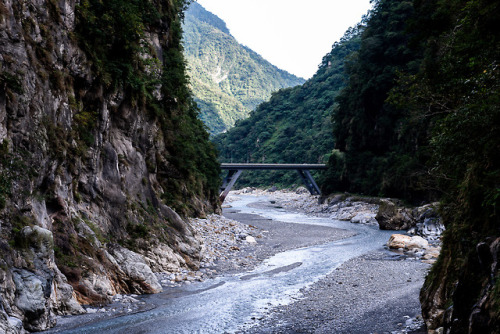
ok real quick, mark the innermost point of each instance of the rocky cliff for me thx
(101, 155)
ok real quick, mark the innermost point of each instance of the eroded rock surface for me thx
(87, 169)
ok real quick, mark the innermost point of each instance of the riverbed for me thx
(317, 275)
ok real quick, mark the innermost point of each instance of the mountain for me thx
(102, 156)
(294, 126)
(228, 80)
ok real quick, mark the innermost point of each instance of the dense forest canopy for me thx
(420, 120)
(377, 152)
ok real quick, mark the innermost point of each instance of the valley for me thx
(115, 117)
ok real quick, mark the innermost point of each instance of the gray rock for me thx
(32, 294)
(137, 270)
(10, 325)
(301, 190)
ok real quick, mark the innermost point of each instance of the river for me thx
(230, 303)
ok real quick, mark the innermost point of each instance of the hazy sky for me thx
(292, 34)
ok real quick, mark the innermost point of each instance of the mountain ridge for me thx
(228, 79)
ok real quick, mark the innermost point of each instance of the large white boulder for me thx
(397, 241)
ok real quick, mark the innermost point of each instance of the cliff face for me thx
(98, 140)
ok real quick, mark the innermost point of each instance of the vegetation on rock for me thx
(419, 120)
(101, 153)
(114, 34)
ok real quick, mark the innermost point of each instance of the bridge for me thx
(235, 170)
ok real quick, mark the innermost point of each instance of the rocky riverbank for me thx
(420, 227)
(386, 288)
(228, 246)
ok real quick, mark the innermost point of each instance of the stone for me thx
(417, 242)
(10, 325)
(364, 218)
(301, 190)
(390, 217)
(406, 242)
(137, 270)
(32, 292)
(250, 240)
(272, 189)
(432, 253)
(397, 241)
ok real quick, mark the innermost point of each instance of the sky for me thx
(293, 35)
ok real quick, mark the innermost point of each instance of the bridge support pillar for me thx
(234, 172)
(228, 183)
(308, 180)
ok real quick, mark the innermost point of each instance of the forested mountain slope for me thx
(99, 142)
(228, 80)
(377, 152)
(294, 126)
(420, 119)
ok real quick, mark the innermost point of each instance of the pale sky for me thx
(294, 35)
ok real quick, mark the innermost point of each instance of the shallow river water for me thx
(228, 304)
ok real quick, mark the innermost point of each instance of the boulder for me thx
(10, 325)
(272, 189)
(397, 241)
(250, 240)
(428, 222)
(417, 242)
(364, 218)
(301, 190)
(31, 299)
(390, 217)
(135, 267)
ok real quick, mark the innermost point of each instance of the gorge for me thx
(104, 159)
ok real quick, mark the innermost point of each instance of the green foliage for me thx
(114, 34)
(12, 169)
(11, 82)
(420, 118)
(384, 153)
(294, 125)
(18, 240)
(228, 80)
(138, 231)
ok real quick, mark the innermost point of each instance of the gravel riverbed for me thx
(374, 293)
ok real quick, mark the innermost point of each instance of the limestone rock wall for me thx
(81, 217)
